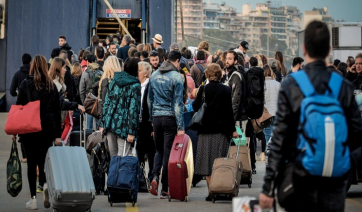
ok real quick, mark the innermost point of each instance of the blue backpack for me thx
(322, 131)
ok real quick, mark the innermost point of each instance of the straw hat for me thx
(158, 38)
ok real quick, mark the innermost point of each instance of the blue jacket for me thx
(123, 52)
(165, 94)
(121, 108)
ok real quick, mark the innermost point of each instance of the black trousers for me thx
(22, 149)
(312, 195)
(146, 146)
(165, 130)
(36, 148)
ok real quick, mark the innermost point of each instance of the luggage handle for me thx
(125, 145)
(237, 153)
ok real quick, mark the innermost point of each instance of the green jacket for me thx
(120, 114)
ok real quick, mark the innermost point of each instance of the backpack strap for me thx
(335, 84)
(304, 83)
(200, 67)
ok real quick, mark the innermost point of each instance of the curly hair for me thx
(213, 72)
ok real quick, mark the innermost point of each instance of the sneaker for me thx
(164, 195)
(32, 204)
(46, 198)
(254, 171)
(39, 189)
(154, 186)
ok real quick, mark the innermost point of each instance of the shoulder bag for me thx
(93, 105)
(263, 122)
(197, 118)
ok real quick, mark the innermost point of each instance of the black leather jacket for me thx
(283, 143)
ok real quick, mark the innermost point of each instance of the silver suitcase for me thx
(69, 179)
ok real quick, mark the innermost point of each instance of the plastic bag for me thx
(242, 138)
(14, 178)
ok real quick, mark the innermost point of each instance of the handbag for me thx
(196, 121)
(263, 122)
(13, 172)
(93, 105)
(23, 119)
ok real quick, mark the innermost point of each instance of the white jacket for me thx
(271, 95)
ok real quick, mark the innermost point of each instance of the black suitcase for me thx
(76, 137)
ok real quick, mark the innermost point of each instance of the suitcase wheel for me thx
(133, 203)
(111, 203)
(186, 198)
(169, 198)
(213, 198)
(249, 185)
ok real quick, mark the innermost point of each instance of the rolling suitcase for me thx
(79, 137)
(180, 168)
(123, 179)
(225, 178)
(69, 179)
(244, 158)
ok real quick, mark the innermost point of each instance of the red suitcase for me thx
(180, 168)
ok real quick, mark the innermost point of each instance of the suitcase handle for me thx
(237, 152)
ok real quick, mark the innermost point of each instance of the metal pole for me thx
(116, 16)
(268, 28)
(182, 24)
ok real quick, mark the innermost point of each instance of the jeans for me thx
(90, 122)
(269, 131)
(165, 130)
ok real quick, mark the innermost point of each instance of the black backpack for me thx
(255, 82)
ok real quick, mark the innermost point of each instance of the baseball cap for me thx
(245, 45)
(174, 46)
(91, 58)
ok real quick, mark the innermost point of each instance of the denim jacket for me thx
(165, 94)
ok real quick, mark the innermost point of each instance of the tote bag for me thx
(23, 119)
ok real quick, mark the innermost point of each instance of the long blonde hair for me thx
(110, 66)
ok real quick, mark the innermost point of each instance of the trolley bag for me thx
(194, 138)
(180, 168)
(123, 179)
(244, 158)
(69, 179)
(79, 137)
(225, 177)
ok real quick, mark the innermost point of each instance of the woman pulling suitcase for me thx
(218, 123)
(39, 86)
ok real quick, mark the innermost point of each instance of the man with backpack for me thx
(197, 71)
(235, 80)
(89, 82)
(317, 125)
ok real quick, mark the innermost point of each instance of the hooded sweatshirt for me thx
(83, 86)
(122, 105)
(165, 94)
(18, 78)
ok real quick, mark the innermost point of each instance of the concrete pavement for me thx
(146, 202)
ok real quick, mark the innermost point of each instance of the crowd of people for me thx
(146, 88)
